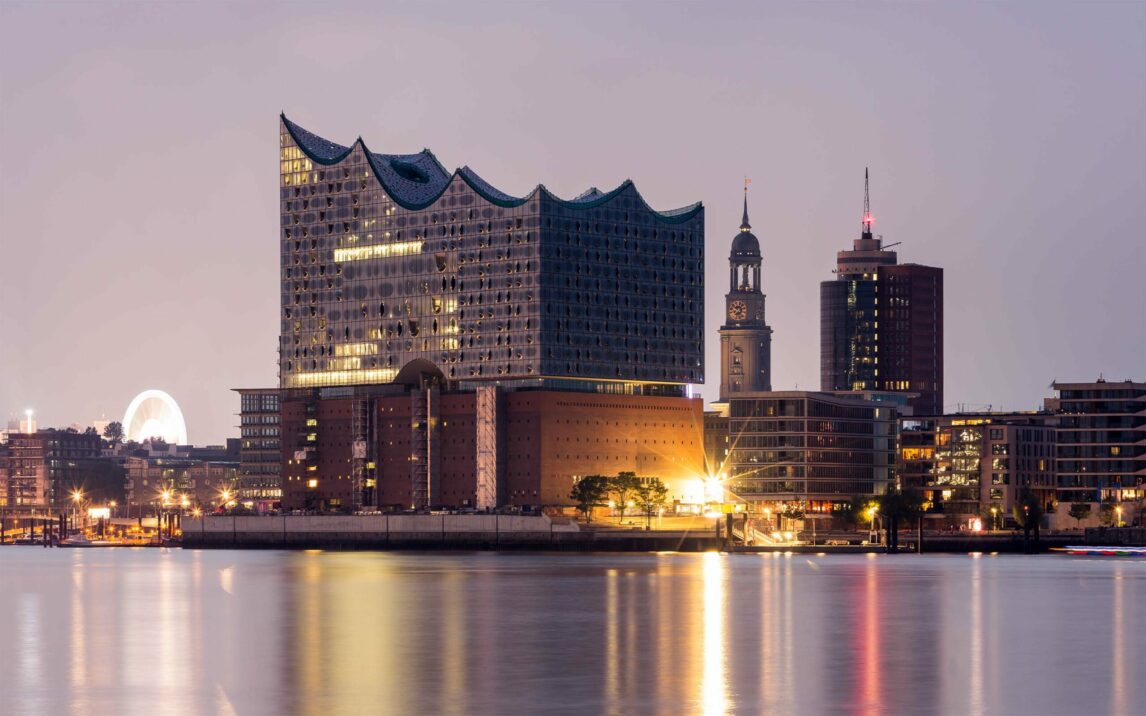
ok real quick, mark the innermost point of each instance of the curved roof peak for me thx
(415, 181)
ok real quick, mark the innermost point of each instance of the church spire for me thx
(744, 225)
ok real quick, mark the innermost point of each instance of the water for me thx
(147, 631)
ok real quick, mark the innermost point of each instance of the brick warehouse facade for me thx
(542, 441)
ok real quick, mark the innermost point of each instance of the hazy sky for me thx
(138, 168)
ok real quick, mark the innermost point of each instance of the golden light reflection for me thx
(311, 645)
(79, 628)
(976, 685)
(869, 676)
(612, 649)
(714, 685)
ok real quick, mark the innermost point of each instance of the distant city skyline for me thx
(1006, 143)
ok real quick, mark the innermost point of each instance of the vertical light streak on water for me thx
(456, 658)
(1118, 657)
(632, 600)
(787, 629)
(79, 626)
(976, 685)
(714, 688)
(767, 627)
(871, 662)
(173, 634)
(612, 655)
(663, 624)
(198, 646)
(28, 645)
(310, 648)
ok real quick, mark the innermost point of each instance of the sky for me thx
(139, 168)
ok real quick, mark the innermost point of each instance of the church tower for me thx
(745, 338)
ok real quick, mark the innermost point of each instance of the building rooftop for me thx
(415, 181)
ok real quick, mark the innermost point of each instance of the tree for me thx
(1079, 511)
(114, 432)
(896, 507)
(651, 496)
(1106, 512)
(90, 431)
(793, 511)
(859, 512)
(589, 492)
(1028, 512)
(624, 488)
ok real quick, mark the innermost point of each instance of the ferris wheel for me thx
(155, 414)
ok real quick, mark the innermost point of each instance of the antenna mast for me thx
(866, 204)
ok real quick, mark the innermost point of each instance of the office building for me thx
(815, 448)
(45, 467)
(260, 450)
(180, 482)
(1101, 449)
(966, 465)
(881, 323)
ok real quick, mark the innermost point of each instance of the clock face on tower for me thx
(737, 310)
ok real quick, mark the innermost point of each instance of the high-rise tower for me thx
(745, 337)
(872, 288)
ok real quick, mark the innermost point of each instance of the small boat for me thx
(82, 541)
(1100, 551)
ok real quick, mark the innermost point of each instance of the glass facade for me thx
(810, 446)
(388, 258)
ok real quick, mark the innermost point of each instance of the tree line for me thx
(624, 490)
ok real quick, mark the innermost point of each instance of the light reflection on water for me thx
(320, 634)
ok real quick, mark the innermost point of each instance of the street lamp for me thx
(871, 515)
(77, 498)
(994, 512)
(1118, 519)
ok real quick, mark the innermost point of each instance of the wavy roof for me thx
(415, 181)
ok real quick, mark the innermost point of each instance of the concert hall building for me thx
(446, 343)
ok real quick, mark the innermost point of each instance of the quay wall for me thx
(1116, 536)
(491, 532)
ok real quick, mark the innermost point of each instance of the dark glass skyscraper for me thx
(881, 323)
(389, 258)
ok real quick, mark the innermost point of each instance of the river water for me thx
(169, 632)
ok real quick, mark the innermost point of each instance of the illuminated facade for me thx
(180, 483)
(881, 324)
(386, 259)
(537, 443)
(964, 465)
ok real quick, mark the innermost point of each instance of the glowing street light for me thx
(1118, 512)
